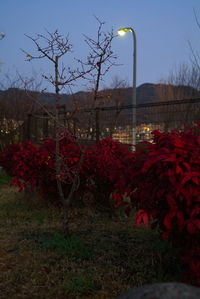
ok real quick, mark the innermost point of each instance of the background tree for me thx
(182, 84)
(195, 57)
(15, 106)
(14, 98)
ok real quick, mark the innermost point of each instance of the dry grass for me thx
(103, 257)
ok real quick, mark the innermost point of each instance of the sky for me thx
(163, 29)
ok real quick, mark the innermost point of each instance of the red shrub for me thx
(7, 156)
(162, 179)
(167, 188)
(35, 165)
(105, 169)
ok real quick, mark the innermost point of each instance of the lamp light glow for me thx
(121, 32)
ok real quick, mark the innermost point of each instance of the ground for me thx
(103, 257)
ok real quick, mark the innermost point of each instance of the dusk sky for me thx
(163, 29)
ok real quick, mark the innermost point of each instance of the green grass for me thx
(72, 247)
(102, 258)
(79, 285)
(4, 179)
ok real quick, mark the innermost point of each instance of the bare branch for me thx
(101, 56)
(55, 45)
(196, 18)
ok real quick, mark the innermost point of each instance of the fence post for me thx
(35, 128)
(45, 125)
(28, 127)
(97, 125)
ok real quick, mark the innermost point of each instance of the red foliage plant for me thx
(167, 188)
(34, 166)
(162, 180)
(105, 171)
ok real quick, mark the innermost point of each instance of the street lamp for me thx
(122, 32)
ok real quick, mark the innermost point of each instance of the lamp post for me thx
(121, 32)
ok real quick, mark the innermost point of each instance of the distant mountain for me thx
(145, 93)
(150, 93)
(43, 97)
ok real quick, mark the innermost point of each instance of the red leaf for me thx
(128, 211)
(15, 182)
(179, 170)
(198, 140)
(142, 216)
(195, 180)
(187, 166)
(168, 219)
(46, 270)
(181, 220)
(165, 236)
(190, 176)
(195, 212)
(196, 223)
(171, 201)
(117, 198)
(191, 228)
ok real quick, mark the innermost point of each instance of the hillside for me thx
(146, 93)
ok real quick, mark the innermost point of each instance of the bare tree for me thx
(14, 107)
(14, 98)
(53, 47)
(116, 90)
(182, 84)
(101, 59)
(195, 58)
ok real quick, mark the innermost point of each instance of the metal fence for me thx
(93, 124)
(116, 122)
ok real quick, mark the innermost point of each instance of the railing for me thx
(92, 124)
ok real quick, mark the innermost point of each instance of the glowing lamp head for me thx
(121, 32)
